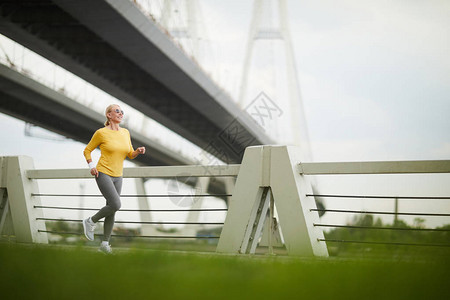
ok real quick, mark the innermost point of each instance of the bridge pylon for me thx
(270, 66)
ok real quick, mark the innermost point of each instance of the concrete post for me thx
(21, 204)
(144, 204)
(273, 167)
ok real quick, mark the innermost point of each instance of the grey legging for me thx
(110, 188)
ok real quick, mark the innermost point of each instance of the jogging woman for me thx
(115, 145)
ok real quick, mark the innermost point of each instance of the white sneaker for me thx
(89, 228)
(105, 247)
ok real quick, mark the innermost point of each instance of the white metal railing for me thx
(378, 167)
(25, 199)
(373, 168)
(269, 177)
(142, 172)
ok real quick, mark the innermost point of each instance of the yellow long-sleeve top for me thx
(115, 146)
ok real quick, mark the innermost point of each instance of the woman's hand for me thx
(94, 172)
(140, 150)
(92, 168)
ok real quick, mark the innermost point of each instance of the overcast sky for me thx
(374, 78)
(374, 75)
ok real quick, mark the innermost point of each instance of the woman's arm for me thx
(134, 153)
(94, 142)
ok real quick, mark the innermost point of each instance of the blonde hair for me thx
(108, 109)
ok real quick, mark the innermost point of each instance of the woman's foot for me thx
(105, 247)
(89, 227)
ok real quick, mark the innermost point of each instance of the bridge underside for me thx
(112, 45)
(25, 99)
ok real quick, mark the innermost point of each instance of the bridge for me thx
(114, 46)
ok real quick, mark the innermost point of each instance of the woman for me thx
(115, 145)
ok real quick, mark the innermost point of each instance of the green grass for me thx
(55, 272)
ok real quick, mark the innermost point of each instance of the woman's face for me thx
(116, 114)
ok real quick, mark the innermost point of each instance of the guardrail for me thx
(32, 198)
(372, 168)
(269, 177)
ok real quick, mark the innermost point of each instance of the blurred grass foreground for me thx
(70, 272)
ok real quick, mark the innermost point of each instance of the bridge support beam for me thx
(19, 205)
(265, 170)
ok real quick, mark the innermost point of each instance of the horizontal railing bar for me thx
(312, 168)
(143, 172)
(380, 212)
(131, 210)
(379, 227)
(374, 167)
(136, 236)
(137, 222)
(383, 243)
(67, 208)
(167, 236)
(378, 197)
(130, 196)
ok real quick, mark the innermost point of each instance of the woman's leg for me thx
(110, 188)
(109, 220)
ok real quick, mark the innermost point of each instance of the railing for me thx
(141, 172)
(271, 201)
(372, 168)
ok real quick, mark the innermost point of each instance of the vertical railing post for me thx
(273, 169)
(20, 202)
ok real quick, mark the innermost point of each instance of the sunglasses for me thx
(118, 111)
